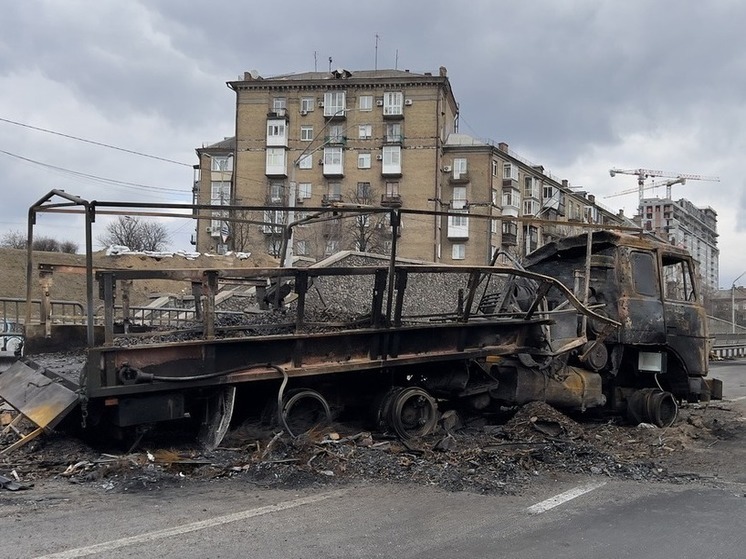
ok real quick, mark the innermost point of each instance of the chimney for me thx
(565, 183)
(502, 146)
(591, 198)
(621, 212)
(442, 71)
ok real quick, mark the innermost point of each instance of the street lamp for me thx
(733, 304)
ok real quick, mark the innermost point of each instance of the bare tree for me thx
(366, 232)
(136, 234)
(17, 240)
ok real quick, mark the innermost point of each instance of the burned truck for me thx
(601, 321)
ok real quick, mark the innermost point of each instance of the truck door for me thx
(686, 322)
(640, 305)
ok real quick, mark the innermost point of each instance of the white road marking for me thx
(564, 497)
(191, 527)
(736, 399)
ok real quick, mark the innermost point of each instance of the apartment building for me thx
(686, 225)
(384, 138)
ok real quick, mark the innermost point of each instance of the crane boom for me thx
(643, 174)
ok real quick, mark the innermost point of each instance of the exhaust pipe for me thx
(652, 405)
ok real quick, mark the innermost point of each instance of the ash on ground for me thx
(479, 455)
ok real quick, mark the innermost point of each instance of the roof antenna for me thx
(330, 64)
(375, 67)
(315, 62)
(396, 63)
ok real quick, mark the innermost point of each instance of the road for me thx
(567, 517)
(576, 518)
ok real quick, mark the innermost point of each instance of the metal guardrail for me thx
(13, 311)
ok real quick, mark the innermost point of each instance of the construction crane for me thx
(668, 184)
(643, 174)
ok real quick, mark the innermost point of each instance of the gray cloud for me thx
(578, 86)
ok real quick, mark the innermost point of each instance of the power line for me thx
(125, 184)
(133, 152)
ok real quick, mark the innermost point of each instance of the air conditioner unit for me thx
(379, 103)
(379, 157)
(408, 102)
(446, 168)
(303, 113)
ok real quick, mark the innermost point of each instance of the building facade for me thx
(376, 138)
(683, 224)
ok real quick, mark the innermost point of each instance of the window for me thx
(459, 198)
(548, 191)
(221, 163)
(392, 189)
(363, 160)
(678, 281)
(510, 228)
(301, 248)
(334, 103)
(530, 187)
(273, 220)
(494, 168)
(530, 207)
(332, 247)
(336, 134)
(510, 171)
(220, 195)
(306, 104)
(334, 191)
(333, 161)
(276, 133)
(493, 226)
(459, 167)
(391, 159)
(365, 103)
(279, 104)
(304, 190)
(510, 197)
(494, 197)
(306, 162)
(393, 101)
(393, 132)
(276, 191)
(643, 273)
(306, 133)
(458, 226)
(365, 131)
(276, 161)
(458, 251)
(363, 191)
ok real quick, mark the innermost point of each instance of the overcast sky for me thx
(577, 86)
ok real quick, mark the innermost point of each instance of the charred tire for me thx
(303, 409)
(410, 412)
(651, 405)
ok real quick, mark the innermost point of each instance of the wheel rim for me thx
(304, 409)
(413, 413)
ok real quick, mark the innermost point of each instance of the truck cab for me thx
(650, 288)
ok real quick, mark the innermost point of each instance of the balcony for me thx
(396, 139)
(335, 140)
(391, 200)
(509, 239)
(329, 199)
(459, 178)
(278, 113)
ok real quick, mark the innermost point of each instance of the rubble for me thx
(477, 455)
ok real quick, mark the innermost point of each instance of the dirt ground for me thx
(504, 454)
(70, 286)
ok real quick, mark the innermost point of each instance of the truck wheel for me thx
(410, 412)
(216, 417)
